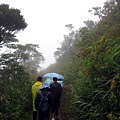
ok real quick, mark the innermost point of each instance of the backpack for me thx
(44, 103)
(57, 90)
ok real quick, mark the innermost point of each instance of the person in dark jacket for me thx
(50, 111)
(56, 90)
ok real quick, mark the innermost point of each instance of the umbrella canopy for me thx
(51, 75)
(49, 81)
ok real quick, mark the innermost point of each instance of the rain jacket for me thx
(35, 89)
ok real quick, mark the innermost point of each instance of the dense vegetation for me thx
(89, 59)
(16, 63)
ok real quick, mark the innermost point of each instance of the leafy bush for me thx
(16, 98)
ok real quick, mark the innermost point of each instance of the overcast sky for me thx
(46, 21)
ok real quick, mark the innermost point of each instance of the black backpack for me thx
(44, 103)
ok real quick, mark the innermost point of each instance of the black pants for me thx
(56, 107)
(34, 115)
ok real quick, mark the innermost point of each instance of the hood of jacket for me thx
(38, 83)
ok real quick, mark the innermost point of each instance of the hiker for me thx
(35, 89)
(56, 90)
(45, 110)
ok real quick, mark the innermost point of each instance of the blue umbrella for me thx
(51, 75)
